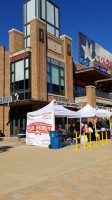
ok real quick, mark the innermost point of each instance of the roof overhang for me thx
(24, 103)
(92, 74)
(105, 82)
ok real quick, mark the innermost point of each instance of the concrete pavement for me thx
(29, 172)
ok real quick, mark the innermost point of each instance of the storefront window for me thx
(19, 70)
(20, 83)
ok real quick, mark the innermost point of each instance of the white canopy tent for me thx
(103, 113)
(86, 112)
(40, 122)
(59, 111)
(89, 112)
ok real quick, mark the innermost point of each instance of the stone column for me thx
(15, 41)
(91, 99)
(92, 64)
(38, 60)
(68, 61)
(91, 95)
(109, 72)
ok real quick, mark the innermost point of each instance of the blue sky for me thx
(93, 18)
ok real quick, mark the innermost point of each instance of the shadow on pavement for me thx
(1, 139)
(5, 148)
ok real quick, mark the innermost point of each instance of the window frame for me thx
(23, 90)
(25, 42)
(59, 67)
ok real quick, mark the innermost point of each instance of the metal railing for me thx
(102, 94)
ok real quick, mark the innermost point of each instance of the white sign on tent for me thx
(38, 128)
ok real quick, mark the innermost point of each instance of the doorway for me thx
(18, 119)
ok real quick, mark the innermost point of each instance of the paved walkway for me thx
(64, 174)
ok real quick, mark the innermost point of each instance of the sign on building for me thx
(9, 99)
(92, 52)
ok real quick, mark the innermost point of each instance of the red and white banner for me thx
(38, 128)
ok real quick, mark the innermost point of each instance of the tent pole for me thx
(80, 126)
(109, 122)
(53, 117)
(95, 126)
(67, 123)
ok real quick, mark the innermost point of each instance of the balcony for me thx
(102, 94)
(103, 98)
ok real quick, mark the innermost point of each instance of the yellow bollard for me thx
(102, 139)
(76, 143)
(84, 142)
(90, 139)
(96, 140)
(106, 138)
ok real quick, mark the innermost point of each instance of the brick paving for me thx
(92, 181)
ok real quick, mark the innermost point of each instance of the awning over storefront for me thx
(26, 102)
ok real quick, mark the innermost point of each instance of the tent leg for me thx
(80, 130)
(67, 122)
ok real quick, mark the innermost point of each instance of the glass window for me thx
(12, 87)
(30, 10)
(12, 67)
(48, 78)
(25, 31)
(26, 84)
(28, 42)
(19, 85)
(20, 77)
(26, 62)
(57, 33)
(50, 29)
(50, 13)
(25, 43)
(62, 82)
(19, 70)
(28, 29)
(48, 67)
(56, 17)
(37, 8)
(43, 9)
(27, 95)
(24, 10)
(62, 72)
(21, 96)
(26, 73)
(55, 79)
(55, 75)
(12, 78)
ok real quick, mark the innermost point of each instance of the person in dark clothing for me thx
(90, 125)
(72, 129)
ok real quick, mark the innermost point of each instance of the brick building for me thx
(39, 66)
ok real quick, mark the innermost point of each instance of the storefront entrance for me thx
(18, 119)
